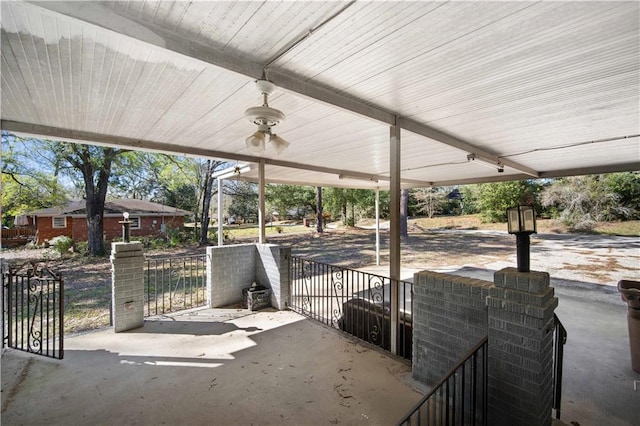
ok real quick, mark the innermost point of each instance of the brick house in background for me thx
(148, 219)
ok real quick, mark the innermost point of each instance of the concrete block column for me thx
(127, 285)
(521, 307)
(272, 270)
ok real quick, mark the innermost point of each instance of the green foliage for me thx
(470, 199)
(176, 237)
(24, 194)
(283, 198)
(627, 188)
(584, 200)
(61, 244)
(244, 199)
(26, 184)
(496, 198)
(81, 247)
(279, 229)
(353, 204)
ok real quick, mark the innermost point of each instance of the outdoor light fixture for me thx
(265, 118)
(126, 227)
(369, 178)
(231, 172)
(496, 165)
(521, 221)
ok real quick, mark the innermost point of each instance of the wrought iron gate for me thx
(33, 310)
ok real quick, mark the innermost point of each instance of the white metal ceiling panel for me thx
(552, 87)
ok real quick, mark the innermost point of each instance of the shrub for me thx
(61, 243)
(81, 247)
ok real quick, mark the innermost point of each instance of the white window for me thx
(135, 222)
(60, 222)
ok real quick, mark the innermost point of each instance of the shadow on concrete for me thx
(288, 371)
(192, 328)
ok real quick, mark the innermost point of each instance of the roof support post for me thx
(378, 226)
(394, 232)
(261, 197)
(220, 230)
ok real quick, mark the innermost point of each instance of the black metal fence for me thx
(460, 397)
(559, 340)
(175, 283)
(353, 301)
(33, 317)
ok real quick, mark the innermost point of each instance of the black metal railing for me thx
(175, 283)
(33, 317)
(460, 397)
(559, 340)
(356, 302)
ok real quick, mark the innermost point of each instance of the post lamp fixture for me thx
(521, 221)
(126, 227)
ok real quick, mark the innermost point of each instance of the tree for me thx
(208, 168)
(404, 204)
(287, 197)
(94, 164)
(319, 210)
(244, 199)
(471, 199)
(627, 187)
(24, 187)
(345, 202)
(583, 201)
(430, 200)
(496, 198)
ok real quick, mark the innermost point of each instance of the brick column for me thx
(127, 285)
(521, 322)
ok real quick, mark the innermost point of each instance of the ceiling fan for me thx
(265, 118)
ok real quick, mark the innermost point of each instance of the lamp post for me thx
(521, 221)
(126, 227)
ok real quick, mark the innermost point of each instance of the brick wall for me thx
(127, 286)
(234, 267)
(516, 312)
(521, 321)
(272, 270)
(77, 227)
(229, 269)
(46, 231)
(449, 318)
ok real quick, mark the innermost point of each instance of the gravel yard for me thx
(597, 259)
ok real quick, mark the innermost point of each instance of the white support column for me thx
(394, 231)
(261, 216)
(378, 226)
(220, 216)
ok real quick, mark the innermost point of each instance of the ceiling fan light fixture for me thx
(278, 143)
(255, 142)
(265, 117)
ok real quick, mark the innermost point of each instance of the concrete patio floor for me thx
(231, 367)
(222, 367)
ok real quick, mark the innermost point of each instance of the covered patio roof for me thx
(543, 89)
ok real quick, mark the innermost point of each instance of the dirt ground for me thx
(602, 260)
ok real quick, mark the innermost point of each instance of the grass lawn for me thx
(88, 280)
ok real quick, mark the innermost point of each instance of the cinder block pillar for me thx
(521, 307)
(127, 286)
